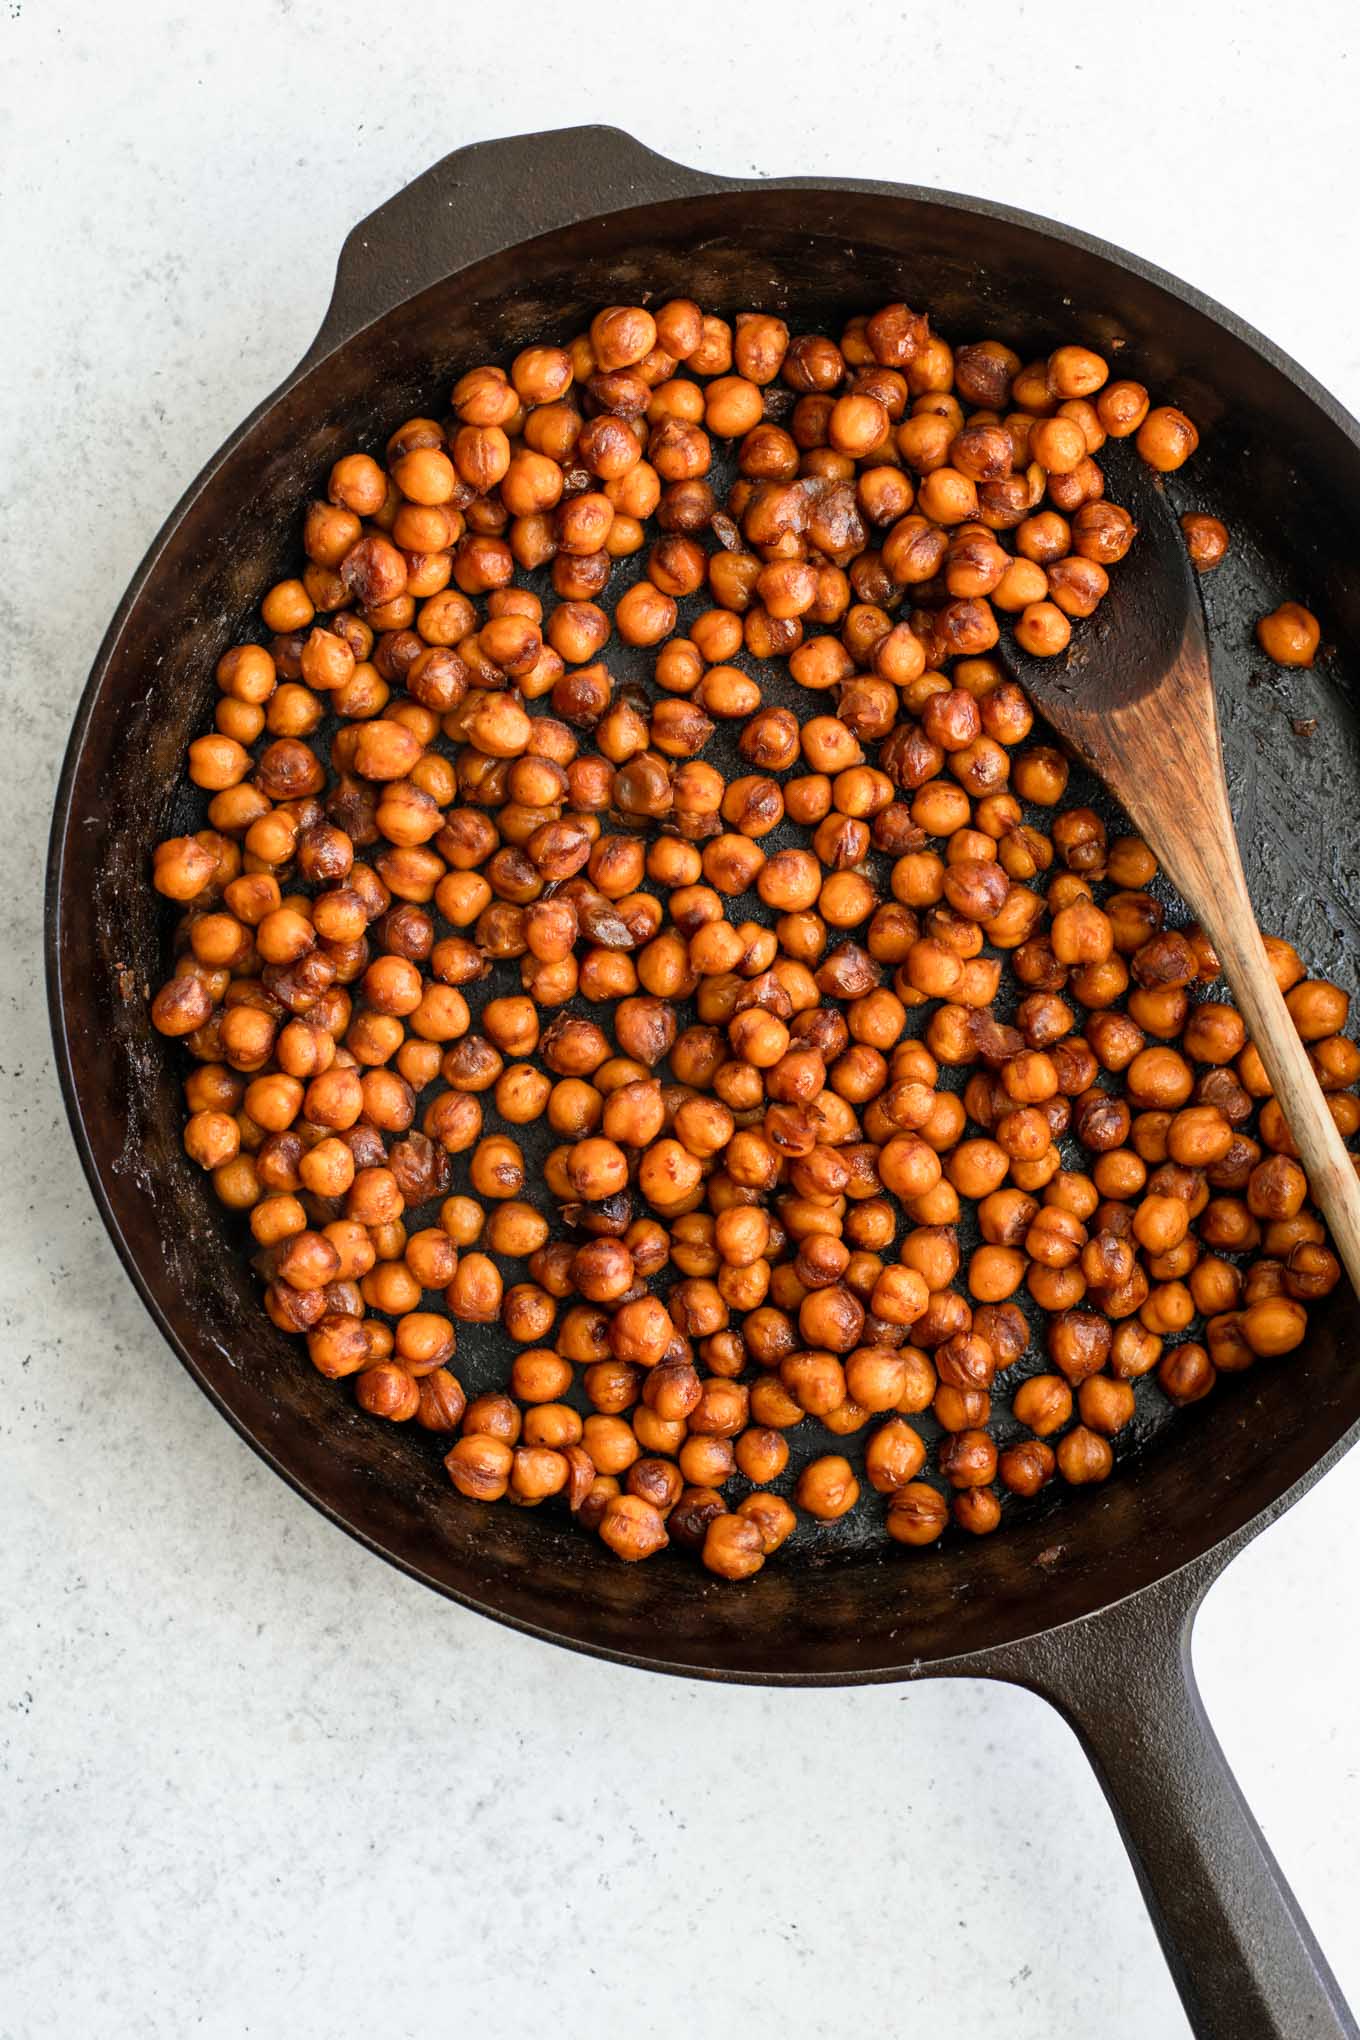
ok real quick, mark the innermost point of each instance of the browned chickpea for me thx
(1166, 438)
(357, 484)
(622, 335)
(1043, 1404)
(1186, 1374)
(1121, 408)
(827, 1488)
(1024, 1468)
(876, 1378)
(1311, 1271)
(977, 1510)
(1076, 372)
(475, 1293)
(1083, 1456)
(1276, 1324)
(1317, 1008)
(917, 1514)
(733, 406)
(1106, 1405)
(815, 1381)
(761, 1454)
(632, 1528)
(441, 1401)
(480, 1466)
(857, 425)
(541, 375)
(707, 1462)
(1042, 630)
(1134, 1350)
(1058, 444)
(967, 1458)
(1289, 635)
(1199, 1136)
(773, 1517)
(1077, 585)
(1206, 540)
(760, 345)
(537, 1471)
(733, 1546)
(893, 1457)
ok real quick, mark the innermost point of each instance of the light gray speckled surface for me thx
(251, 1781)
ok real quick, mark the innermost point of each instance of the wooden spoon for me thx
(1134, 697)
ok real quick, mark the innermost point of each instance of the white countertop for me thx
(252, 1781)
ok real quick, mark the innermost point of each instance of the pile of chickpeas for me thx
(870, 1069)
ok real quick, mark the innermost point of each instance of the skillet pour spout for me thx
(1089, 1603)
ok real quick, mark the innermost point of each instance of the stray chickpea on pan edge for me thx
(729, 1259)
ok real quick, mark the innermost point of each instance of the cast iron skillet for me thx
(1087, 1600)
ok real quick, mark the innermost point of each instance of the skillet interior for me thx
(846, 1604)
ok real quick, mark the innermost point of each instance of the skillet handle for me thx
(487, 197)
(1241, 1953)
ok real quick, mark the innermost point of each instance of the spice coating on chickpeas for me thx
(842, 1130)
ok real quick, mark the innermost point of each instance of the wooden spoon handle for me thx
(1227, 918)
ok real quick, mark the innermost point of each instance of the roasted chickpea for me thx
(917, 1514)
(1166, 438)
(1084, 1456)
(1290, 635)
(733, 1546)
(1043, 1404)
(827, 1488)
(1206, 540)
(632, 1528)
(1042, 630)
